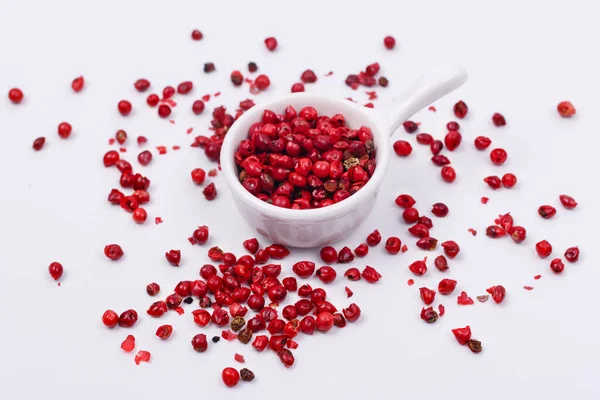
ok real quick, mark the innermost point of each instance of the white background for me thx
(523, 58)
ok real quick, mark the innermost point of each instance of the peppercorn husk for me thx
(474, 345)
(351, 162)
(237, 324)
(246, 375)
(245, 335)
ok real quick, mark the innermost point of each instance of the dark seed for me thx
(215, 339)
(474, 345)
(188, 300)
(209, 67)
(246, 375)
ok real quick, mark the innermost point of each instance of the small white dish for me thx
(321, 226)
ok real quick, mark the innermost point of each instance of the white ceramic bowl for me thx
(317, 227)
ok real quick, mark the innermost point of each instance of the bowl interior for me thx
(355, 116)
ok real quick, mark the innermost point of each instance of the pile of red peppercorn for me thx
(303, 160)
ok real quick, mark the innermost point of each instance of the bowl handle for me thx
(424, 91)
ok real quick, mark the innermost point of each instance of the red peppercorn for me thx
(352, 274)
(543, 248)
(326, 274)
(419, 230)
(441, 263)
(139, 215)
(210, 192)
(462, 335)
(374, 237)
(518, 234)
(557, 265)
(566, 109)
(121, 136)
(200, 344)
(389, 42)
(572, 254)
(251, 245)
(271, 43)
(345, 255)
(448, 174)
(461, 109)
(152, 289)
(370, 275)
(200, 235)
(402, 148)
(56, 270)
(308, 76)
(128, 318)
(237, 78)
(64, 130)
(440, 160)
(157, 309)
(418, 268)
(197, 35)
(304, 269)
(424, 138)
(361, 250)
(436, 147)
(39, 143)
(124, 107)
(509, 180)
(505, 221)
(498, 156)
(482, 142)
(198, 107)
(297, 88)
(278, 251)
(352, 313)
(198, 176)
(152, 100)
(410, 126)
(498, 119)
(451, 248)
(15, 95)
(110, 319)
(452, 140)
(405, 201)
(498, 293)
(429, 315)
(439, 210)
(453, 126)
(427, 243)
(324, 322)
(262, 82)
(392, 245)
(567, 201)
(427, 295)
(494, 231)
(164, 111)
(77, 84)
(410, 215)
(290, 284)
(277, 293)
(185, 87)
(372, 69)
(113, 251)
(164, 331)
(173, 257)
(547, 212)
(446, 286)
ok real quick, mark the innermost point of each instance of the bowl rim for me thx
(381, 138)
